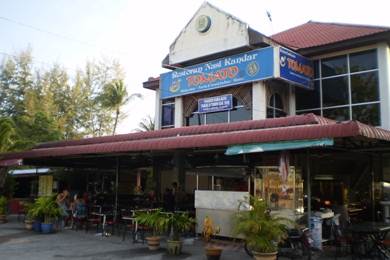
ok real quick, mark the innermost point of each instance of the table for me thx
(371, 235)
(104, 217)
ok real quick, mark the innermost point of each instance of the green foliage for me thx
(177, 223)
(261, 230)
(154, 220)
(40, 105)
(45, 207)
(28, 209)
(146, 125)
(3, 205)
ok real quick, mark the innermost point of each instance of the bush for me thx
(46, 208)
(3, 205)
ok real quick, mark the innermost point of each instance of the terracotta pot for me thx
(28, 224)
(264, 256)
(3, 218)
(153, 243)
(174, 247)
(213, 253)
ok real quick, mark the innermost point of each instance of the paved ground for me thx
(17, 243)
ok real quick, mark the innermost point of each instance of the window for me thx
(238, 113)
(345, 87)
(275, 107)
(168, 113)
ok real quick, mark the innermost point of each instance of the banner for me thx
(215, 104)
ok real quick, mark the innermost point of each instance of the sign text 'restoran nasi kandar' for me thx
(246, 67)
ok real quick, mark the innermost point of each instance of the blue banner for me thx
(233, 70)
(215, 104)
(295, 68)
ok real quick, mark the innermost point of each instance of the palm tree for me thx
(114, 96)
(7, 132)
(146, 125)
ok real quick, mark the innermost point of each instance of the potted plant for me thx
(47, 208)
(262, 231)
(3, 209)
(177, 223)
(29, 220)
(209, 230)
(155, 221)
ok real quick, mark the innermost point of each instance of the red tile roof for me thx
(303, 127)
(313, 34)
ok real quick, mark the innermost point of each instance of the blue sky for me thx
(138, 33)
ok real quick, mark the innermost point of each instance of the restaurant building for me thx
(298, 115)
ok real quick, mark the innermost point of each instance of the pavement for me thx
(17, 243)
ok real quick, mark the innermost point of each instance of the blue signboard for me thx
(233, 70)
(215, 104)
(295, 68)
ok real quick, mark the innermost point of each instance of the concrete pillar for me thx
(259, 100)
(291, 101)
(384, 83)
(178, 112)
(157, 111)
(179, 159)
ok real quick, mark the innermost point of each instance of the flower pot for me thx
(28, 224)
(46, 228)
(37, 226)
(264, 256)
(213, 253)
(174, 247)
(3, 218)
(153, 243)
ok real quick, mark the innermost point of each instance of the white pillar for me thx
(259, 100)
(178, 112)
(291, 101)
(384, 83)
(157, 111)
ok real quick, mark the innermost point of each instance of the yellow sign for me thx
(45, 185)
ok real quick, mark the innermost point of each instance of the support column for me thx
(384, 83)
(157, 178)
(291, 100)
(308, 181)
(179, 159)
(259, 100)
(157, 111)
(178, 112)
(116, 188)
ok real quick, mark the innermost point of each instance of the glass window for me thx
(316, 66)
(368, 114)
(217, 117)
(364, 87)
(335, 91)
(275, 107)
(334, 66)
(240, 114)
(316, 112)
(168, 114)
(195, 119)
(338, 114)
(306, 99)
(360, 61)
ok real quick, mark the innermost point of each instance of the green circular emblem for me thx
(203, 23)
(252, 68)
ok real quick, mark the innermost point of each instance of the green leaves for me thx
(261, 230)
(45, 207)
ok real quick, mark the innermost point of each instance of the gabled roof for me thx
(315, 34)
(302, 127)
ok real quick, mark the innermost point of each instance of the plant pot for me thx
(153, 243)
(28, 224)
(213, 253)
(37, 226)
(264, 256)
(3, 218)
(47, 228)
(174, 247)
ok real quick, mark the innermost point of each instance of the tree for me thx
(114, 96)
(146, 125)
(7, 133)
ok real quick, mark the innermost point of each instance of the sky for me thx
(139, 33)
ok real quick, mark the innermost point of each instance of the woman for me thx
(62, 204)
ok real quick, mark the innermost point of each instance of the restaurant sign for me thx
(295, 68)
(259, 64)
(233, 70)
(215, 104)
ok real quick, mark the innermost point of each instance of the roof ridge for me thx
(351, 24)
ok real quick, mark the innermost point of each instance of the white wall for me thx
(226, 32)
(157, 111)
(178, 112)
